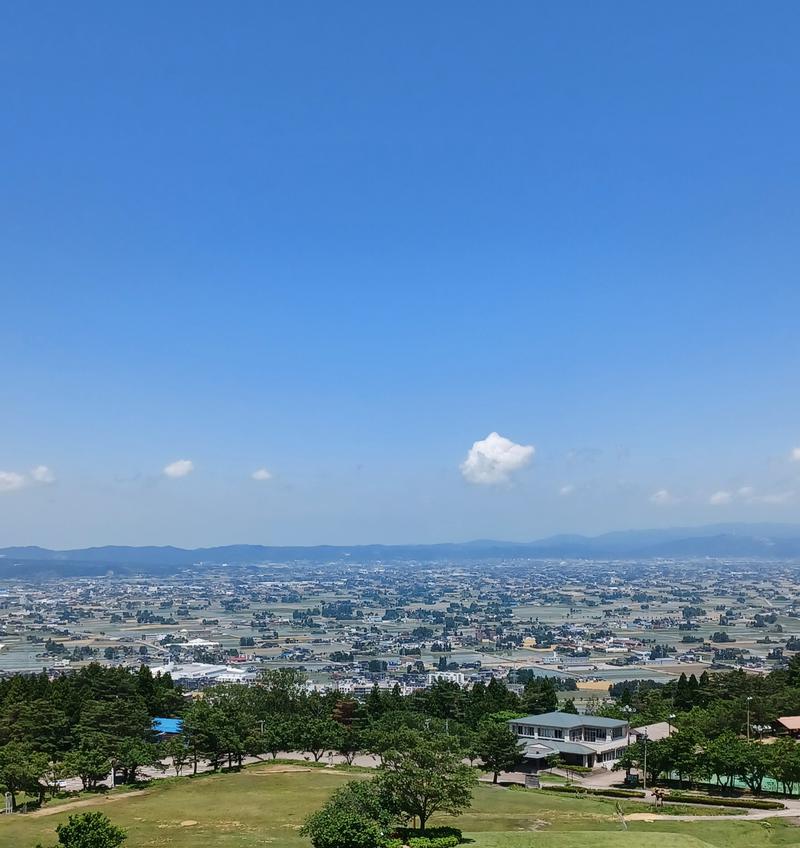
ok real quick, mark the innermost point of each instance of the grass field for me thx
(264, 806)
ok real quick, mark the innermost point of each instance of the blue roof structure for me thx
(167, 725)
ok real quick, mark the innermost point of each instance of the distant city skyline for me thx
(305, 275)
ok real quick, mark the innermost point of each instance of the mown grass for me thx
(265, 806)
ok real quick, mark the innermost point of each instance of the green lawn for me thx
(264, 806)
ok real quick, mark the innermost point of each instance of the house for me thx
(790, 725)
(654, 732)
(580, 740)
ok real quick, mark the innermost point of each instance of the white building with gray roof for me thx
(581, 740)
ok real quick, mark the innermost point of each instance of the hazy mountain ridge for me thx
(768, 541)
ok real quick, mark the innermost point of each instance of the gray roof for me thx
(555, 746)
(567, 721)
(535, 751)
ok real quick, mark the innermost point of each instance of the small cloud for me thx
(663, 497)
(720, 498)
(795, 455)
(42, 474)
(746, 492)
(584, 455)
(11, 480)
(567, 490)
(179, 468)
(494, 459)
(774, 498)
(261, 474)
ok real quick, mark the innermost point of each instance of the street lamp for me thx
(670, 717)
(749, 698)
(644, 769)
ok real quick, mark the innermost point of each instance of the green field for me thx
(265, 806)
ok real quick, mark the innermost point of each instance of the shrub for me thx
(435, 842)
(716, 801)
(89, 829)
(341, 828)
(407, 833)
(588, 790)
(353, 818)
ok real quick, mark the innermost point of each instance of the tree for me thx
(278, 690)
(569, 707)
(177, 753)
(721, 757)
(755, 765)
(90, 830)
(204, 729)
(276, 736)
(539, 696)
(21, 769)
(785, 763)
(354, 817)
(425, 778)
(681, 753)
(348, 743)
(318, 735)
(132, 755)
(91, 765)
(498, 748)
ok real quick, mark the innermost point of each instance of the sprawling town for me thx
(351, 626)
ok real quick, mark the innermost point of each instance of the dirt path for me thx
(86, 802)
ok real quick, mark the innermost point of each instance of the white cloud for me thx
(567, 490)
(747, 494)
(774, 498)
(10, 480)
(42, 474)
(179, 468)
(494, 459)
(261, 474)
(795, 455)
(663, 497)
(720, 498)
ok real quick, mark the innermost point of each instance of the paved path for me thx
(606, 779)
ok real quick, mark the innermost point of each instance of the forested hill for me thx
(767, 541)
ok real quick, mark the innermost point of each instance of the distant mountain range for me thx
(757, 541)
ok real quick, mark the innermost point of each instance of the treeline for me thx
(83, 724)
(97, 722)
(718, 702)
(719, 721)
(689, 755)
(278, 714)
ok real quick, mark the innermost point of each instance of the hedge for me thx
(590, 790)
(430, 833)
(717, 801)
(434, 837)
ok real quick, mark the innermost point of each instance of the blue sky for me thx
(344, 242)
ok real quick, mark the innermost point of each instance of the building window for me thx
(590, 734)
(558, 734)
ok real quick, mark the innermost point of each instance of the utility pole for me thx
(644, 770)
(749, 698)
